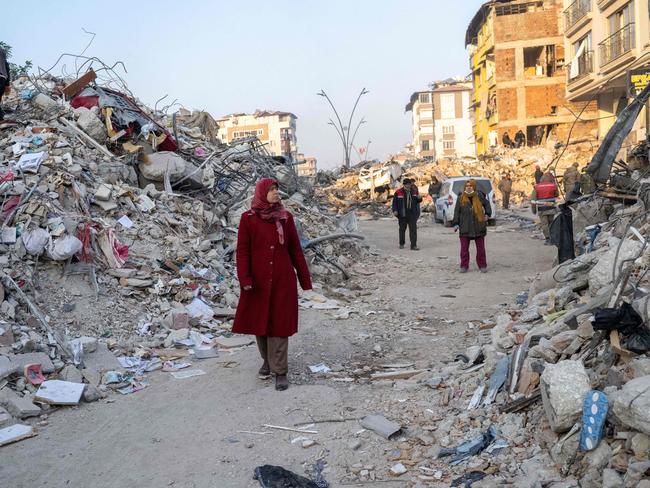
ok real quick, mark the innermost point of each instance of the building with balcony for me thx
(605, 40)
(277, 130)
(442, 120)
(517, 58)
(306, 166)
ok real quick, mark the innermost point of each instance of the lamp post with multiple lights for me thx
(344, 130)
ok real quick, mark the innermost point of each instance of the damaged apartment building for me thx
(441, 120)
(276, 130)
(517, 57)
(608, 42)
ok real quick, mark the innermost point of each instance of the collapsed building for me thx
(119, 226)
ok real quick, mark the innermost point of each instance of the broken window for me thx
(537, 134)
(520, 8)
(540, 61)
(424, 145)
(424, 98)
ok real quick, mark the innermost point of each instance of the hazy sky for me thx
(234, 56)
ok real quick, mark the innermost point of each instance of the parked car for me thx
(452, 188)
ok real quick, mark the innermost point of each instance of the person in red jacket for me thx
(268, 252)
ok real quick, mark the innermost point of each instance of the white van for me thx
(451, 189)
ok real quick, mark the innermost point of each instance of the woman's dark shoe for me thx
(265, 371)
(281, 382)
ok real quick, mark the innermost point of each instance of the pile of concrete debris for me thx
(566, 368)
(119, 226)
(367, 188)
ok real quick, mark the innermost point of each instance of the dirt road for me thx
(208, 431)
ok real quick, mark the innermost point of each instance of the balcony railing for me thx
(581, 66)
(576, 11)
(619, 43)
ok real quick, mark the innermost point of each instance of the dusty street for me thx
(208, 431)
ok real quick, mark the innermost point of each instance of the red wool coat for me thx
(271, 307)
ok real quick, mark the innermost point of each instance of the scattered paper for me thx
(29, 163)
(181, 375)
(125, 221)
(319, 368)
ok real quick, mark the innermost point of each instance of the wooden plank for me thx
(79, 84)
(86, 137)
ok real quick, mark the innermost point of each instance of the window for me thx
(448, 129)
(424, 98)
(424, 145)
(447, 144)
(621, 18)
(447, 106)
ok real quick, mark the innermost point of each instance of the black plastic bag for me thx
(278, 477)
(624, 319)
(636, 336)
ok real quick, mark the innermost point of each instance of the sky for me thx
(228, 57)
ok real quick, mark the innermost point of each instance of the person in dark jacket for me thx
(470, 221)
(5, 79)
(434, 187)
(406, 207)
(520, 139)
(507, 142)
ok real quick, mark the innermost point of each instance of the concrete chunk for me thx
(563, 387)
(20, 407)
(632, 404)
(102, 360)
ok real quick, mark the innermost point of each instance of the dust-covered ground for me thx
(411, 309)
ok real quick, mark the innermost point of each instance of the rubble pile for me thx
(119, 226)
(352, 189)
(564, 368)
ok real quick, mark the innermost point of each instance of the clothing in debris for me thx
(265, 263)
(470, 217)
(570, 178)
(520, 139)
(505, 187)
(406, 207)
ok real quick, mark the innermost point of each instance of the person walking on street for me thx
(268, 252)
(5, 79)
(434, 188)
(520, 139)
(470, 221)
(570, 178)
(406, 207)
(505, 187)
(538, 174)
(544, 197)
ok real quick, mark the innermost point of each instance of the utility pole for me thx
(344, 130)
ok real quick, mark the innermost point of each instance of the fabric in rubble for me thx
(469, 448)
(561, 231)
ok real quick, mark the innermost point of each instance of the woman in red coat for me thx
(268, 251)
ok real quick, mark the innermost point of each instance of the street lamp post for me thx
(344, 131)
